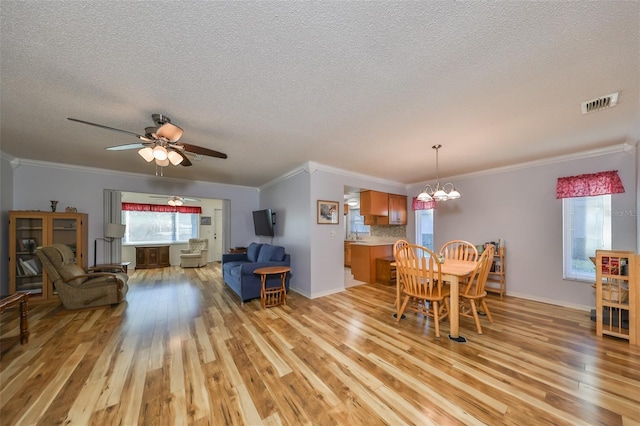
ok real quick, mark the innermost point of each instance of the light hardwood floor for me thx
(182, 350)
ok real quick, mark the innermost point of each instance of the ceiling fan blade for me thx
(104, 127)
(203, 151)
(185, 161)
(125, 147)
(170, 132)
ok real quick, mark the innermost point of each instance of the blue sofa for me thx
(237, 269)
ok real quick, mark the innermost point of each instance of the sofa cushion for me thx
(269, 253)
(252, 252)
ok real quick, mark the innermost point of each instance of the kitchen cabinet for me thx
(386, 270)
(363, 259)
(381, 208)
(397, 209)
(374, 203)
(376, 220)
(31, 229)
(152, 257)
(347, 253)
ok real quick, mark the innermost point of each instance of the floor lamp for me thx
(111, 232)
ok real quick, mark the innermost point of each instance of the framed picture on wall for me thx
(205, 220)
(328, 212)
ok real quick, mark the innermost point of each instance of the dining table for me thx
(453, 271)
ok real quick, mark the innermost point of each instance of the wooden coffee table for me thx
(273, 296)
(21, 300)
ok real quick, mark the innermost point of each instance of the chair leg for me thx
(474, 310)
(436, 322)
(402, 308)
(485, 307)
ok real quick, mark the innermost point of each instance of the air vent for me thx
(603, 102)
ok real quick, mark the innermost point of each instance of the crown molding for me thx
(62, 166)
(311, 167)
(624, 147)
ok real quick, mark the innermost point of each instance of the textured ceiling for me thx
(367, 87)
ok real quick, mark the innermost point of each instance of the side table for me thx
(273, 296)
(111, 267)
(21, 300)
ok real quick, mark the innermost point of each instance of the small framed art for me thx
(328, 212)
(205, 220)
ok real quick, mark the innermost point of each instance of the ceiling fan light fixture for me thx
(147, 154)
(162, 163)
(170, 132)
(174, 157)
(160, 153)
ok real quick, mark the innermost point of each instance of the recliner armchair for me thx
(76, 287)
(196, 255)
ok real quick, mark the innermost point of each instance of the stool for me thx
(273, 296)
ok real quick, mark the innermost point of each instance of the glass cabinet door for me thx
(29, 235)
(64, 231)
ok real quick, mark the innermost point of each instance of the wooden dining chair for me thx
(474, 293)
(418, 268)
(459, 250)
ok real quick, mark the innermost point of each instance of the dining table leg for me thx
(454, 310)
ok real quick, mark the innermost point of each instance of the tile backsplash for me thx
(394, 231)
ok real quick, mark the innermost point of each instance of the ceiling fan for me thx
(160, 143)
(175, 200)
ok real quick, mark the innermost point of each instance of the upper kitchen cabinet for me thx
(397, 209)
(381, 208)
(374, 203)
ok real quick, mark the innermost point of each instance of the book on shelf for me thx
(35, 265)
(30, 267)
(25, 268)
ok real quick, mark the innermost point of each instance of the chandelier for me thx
(438, 193)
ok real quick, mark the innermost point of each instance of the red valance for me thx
(423, 205)
(160, 208)
(589, 184)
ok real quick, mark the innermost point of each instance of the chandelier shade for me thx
(438, 192)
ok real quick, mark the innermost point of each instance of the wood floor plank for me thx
(183, 349)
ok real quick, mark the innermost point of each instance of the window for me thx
(424, 228)
(149, 227)
(356, 223)
(586, 228)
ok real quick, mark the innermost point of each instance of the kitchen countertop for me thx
(369, 243)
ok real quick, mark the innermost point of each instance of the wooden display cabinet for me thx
(497, 279)
(31, 229)
(617, 295)
(152, 257)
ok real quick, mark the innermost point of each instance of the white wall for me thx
(519, 206)
(317, 254)
(35, 183)
(6, 204)
(289, 199)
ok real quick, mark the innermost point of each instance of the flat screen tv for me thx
(263, 221)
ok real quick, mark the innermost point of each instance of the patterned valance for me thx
(160, 208)
(589, 184)
(423, 205)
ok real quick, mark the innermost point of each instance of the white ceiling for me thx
(362, 86)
